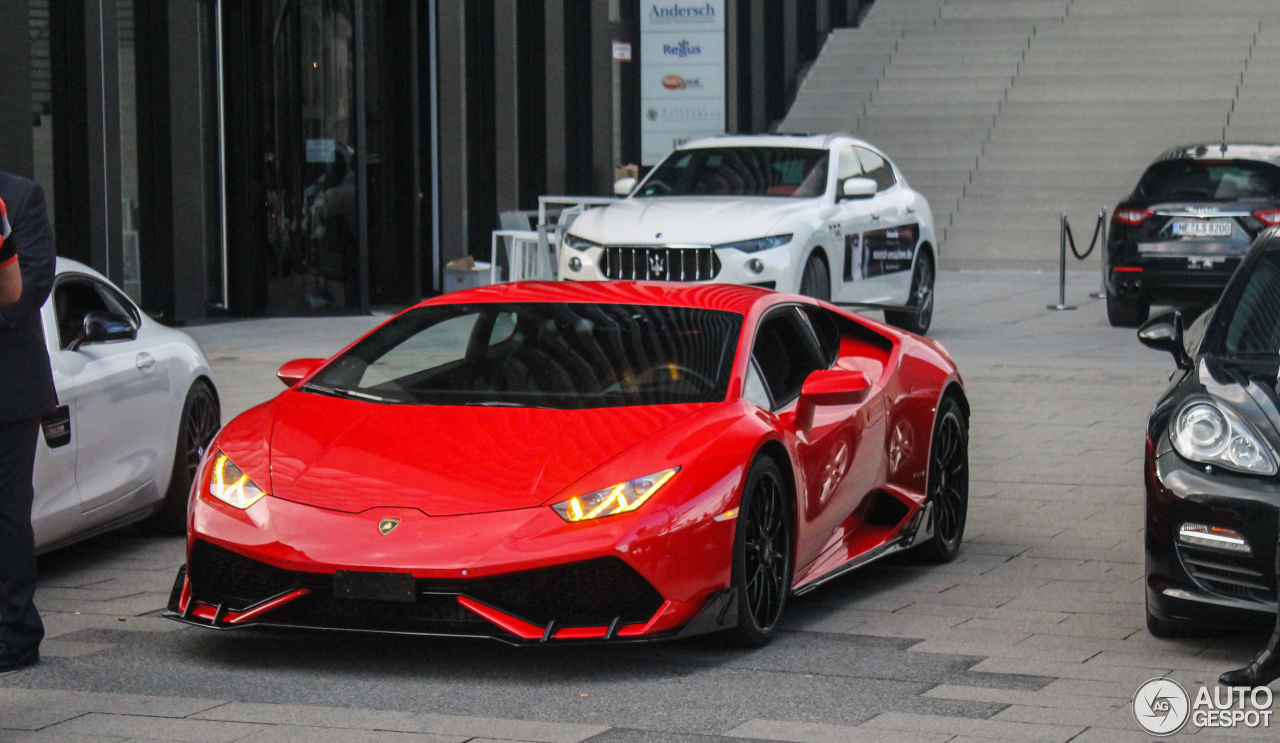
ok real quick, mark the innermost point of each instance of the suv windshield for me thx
(794, 172)
(1210, 180)
(1255, 322)
(540, 354)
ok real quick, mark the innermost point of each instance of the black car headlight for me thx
(578, 243)
(758, 244)
(1207, 432)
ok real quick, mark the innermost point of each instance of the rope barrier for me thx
(1065, 239)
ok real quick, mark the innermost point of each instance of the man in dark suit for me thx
(28, 394)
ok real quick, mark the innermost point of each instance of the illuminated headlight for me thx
(1214, 537)
(622, 498)
(578, 243)
(1206, 432)
(760, 243)
(231, 485)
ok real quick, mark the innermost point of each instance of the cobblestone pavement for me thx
(1035, 633)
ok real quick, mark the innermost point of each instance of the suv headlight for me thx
(760, 243)
(1206, 432)
(622, 498)
(578, 243)
(229, 484)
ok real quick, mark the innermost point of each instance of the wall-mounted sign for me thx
(621, 51)
(320, 151)
(682, 74)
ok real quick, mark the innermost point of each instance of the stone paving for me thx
(1035, 633)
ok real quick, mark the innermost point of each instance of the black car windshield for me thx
(1210, 180)
(540, 354)
(1254, 328)
(793, 172)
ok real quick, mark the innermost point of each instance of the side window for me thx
(787, 353)
(120, 304)
(847, 166)
(825, 329)
(877, 168)
(754, 390)
(72, 300)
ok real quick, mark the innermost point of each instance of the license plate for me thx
(358, 585)
(1201, 228)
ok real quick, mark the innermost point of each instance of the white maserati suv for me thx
(827, 216)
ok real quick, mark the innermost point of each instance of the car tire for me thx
(201, 419)
(922, 280)
(1126, 313)
(948, 483)
(816, 280)
(763, 554)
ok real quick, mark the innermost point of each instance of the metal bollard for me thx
(1102, 236)
(1062, 267)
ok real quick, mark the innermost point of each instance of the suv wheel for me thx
(1127, 313)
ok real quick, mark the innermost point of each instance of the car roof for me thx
(812, 141)
(728, 297)
(1267, 153)
(66, 265)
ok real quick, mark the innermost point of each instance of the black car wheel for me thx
(1126, 313)
(917, 319)
(201, 419)
(816, 280)
(948, 481)
(763, 554)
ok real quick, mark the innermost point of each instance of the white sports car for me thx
(137, 407)
(825, 216)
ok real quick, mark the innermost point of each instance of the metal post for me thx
(1102, 257)
(1062, 267)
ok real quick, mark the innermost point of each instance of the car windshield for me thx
(540, 354)
(1210, 180)
(793, 172)
(1254, 328)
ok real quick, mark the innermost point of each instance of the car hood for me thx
(350, 455)
(700, 220)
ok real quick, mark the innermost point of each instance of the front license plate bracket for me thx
(360, 585)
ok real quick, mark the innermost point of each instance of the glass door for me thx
(311, 207)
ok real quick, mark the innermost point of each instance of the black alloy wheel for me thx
(1126, 313)
(763, 554)
(201, 419)
(920, 300)
(816, 280)
(948, 481)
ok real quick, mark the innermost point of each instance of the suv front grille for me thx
(660, 263)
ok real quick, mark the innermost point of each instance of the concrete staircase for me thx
(1006, 113)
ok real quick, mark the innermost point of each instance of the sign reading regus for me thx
(682, 74)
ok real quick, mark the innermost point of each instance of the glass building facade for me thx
(287, 157)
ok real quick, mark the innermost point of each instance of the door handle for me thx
(145, 361)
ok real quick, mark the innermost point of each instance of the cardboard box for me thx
(626, 171)
(466, 273)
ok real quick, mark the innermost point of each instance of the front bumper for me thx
(517, 576)
(1209, 586)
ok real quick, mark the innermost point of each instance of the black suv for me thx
(1180, 235)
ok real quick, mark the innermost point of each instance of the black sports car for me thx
(1213, 495)
(1179, 236)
